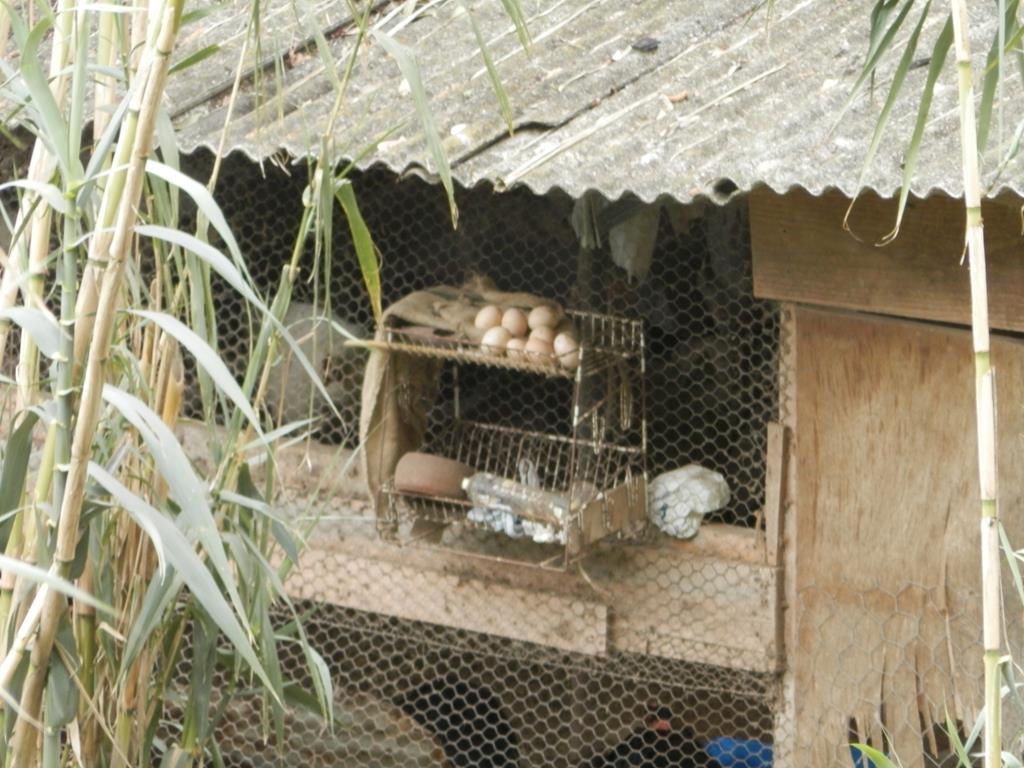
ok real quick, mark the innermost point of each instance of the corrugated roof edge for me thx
(720, 192)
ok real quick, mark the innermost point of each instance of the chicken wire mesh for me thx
(660, 682)
(433, 668)
(711, 348)
(893, 668)
(419, 694)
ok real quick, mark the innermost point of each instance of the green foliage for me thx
(101, 509)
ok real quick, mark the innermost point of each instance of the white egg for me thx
(546, 315)
(516, 347)
(544, 333)
(488, 317)
(495, 339)
(567, 350)
(538, 349)
(514, 321)
(567, 326)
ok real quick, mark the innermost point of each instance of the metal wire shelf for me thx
(604, 340)
(585, 471)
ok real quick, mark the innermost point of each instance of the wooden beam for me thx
(802, 254)
(774, 491)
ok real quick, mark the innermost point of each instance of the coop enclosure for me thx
(653, 651)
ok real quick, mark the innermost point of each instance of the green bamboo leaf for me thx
(186, 563)
(54, 129)
(207, 206)
(1012, 562)
(39, 575)
(994, 71)
(492, 71)
(194, 58)
(272, 661)
(201, 676)
(954, 741)
(519, 21)
(366, 251)
(40, 325)
(939, 53)
(199, 14)
(1012, 150)
(137, 508)
(61, 690)
(265, 441)
(410, 69)
(50, 195)
(880, 43)
(900, 75)
(1012, 687)
(17, 452)
(877, 758)
(161, 592)
(315, 31)
(96, 169)
(206, 358)
(183, 484)
(223, 267)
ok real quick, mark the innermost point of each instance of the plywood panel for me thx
(887, 565)
(802, 254)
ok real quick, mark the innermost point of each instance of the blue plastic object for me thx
(740, 753)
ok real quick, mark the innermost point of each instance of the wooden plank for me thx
(722, 541)
(450, 599)
(887, 564)
(802, 254)
(774, 491)
(658, 600)
(784, 726)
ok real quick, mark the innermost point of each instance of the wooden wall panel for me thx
(887, 565)
(802, 254)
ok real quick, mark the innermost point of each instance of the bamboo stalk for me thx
(47, 608)
(985, 394)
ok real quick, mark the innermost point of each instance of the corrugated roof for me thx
(729, 99)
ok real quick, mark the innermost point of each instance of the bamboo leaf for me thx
(207, 206)
(900, 75)
(40, 325)
(878, 759)
(48, 192)
(366, 251)
(206, 358)
(939, 53)
(17, 452)
(61, 690)
(184, 486)
(95, 169)
(182, 558)
(137, 508)
(994, 72)
(160, 593)
(54, 129)
(492, 71)
(263, 442)
(407, 65)
(194, 58)
(223, 267)
(519, 21)
(39, 575)
(880, 42)
(954, 741)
